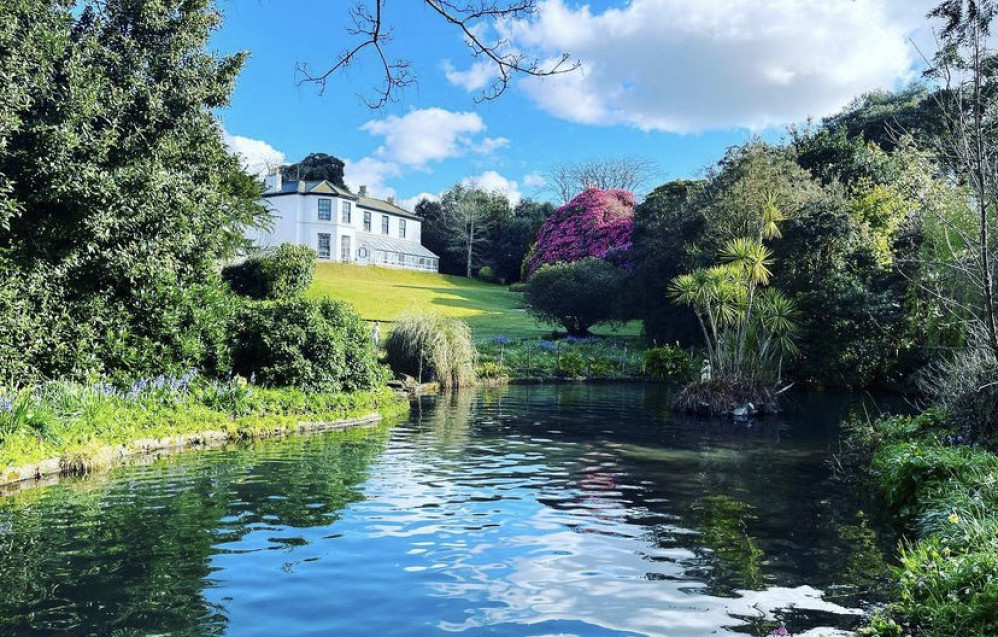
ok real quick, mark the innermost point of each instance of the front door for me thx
(345, 249)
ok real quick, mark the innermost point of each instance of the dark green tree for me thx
(512, 238)
(316, 167)
(120, 196)
(577, 295)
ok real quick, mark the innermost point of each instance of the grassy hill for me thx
(381, 294)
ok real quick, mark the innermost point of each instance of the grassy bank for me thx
(945, 494)
(76, 423)
(381, 294)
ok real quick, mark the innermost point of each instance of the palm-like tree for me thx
(747, 328)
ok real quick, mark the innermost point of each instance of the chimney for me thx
(363, 191)
(391, 199)
(273, 181)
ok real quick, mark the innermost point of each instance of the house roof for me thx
(377, 242)
(324, 187)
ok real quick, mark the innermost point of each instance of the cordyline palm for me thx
(751, 261)
(774, 330)
(740, 320)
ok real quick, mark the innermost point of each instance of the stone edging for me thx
(16, 479)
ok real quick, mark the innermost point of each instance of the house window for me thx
(402, 228)
(367, 221)
(345, 249)
(384, 224)
(325, 209)
(324, 245)
(345, 218)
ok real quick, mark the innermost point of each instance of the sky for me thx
(673, 81)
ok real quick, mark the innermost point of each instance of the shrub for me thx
(429, 346)
(668, 362)
(576, 295)
(487, 274)
(314, 345)
(168, 324)
(596, 223)
(571, 365)
(283, 273)
(966, 388)
(518, 287)
(490, 370)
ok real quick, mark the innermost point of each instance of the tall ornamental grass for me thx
(428, 346)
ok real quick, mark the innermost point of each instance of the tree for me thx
(747, 329)
(316, 167)
(513, 237)
(576, 295)
(467, 221)
(967, 70)
(121, 197)
(481, 24)
(665, 223)
(884, 117)
(606, 173)
(596, 223)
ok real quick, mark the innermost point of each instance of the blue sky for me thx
(675, 81)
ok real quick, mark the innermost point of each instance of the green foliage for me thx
(487, 274)
(72, 420)
(313, 345)
(668, 362)
(576, 295)
(946, 493)
(512, 237)
(965, 386)
(316, 167)
(748, 330)
(284, 273)
(117, 194)
(880, 116)
(571, 365)
(540, 360)
(430, 346)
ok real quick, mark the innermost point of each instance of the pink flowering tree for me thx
(596, 223)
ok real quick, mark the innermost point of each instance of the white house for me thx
(341, 226)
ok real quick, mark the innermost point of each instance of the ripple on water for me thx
(524, 511)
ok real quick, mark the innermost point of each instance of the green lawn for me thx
(381, 294)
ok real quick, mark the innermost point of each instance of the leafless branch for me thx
(477, 21)
(628, 173)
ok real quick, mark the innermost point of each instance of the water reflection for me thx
(574, 510)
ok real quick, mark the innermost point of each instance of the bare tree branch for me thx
(627, 173)
(477, 21)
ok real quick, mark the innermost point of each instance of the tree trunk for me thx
(987, 282)
(471, 246)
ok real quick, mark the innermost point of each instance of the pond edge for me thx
(45, 472)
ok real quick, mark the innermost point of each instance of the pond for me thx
(519, 511)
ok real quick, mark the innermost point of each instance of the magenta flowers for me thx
(593, 224)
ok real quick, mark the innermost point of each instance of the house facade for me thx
(342, 226)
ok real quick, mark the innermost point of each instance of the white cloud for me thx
(492, 181)
(474, 79)
(685, 66)
(372, 173)
(410, 203)
(257, 156)
(429, 135)
(534, 180)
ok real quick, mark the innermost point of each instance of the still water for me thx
(520, 511)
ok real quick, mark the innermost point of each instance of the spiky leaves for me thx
(748, 329)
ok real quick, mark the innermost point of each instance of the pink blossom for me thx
(593, 224)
